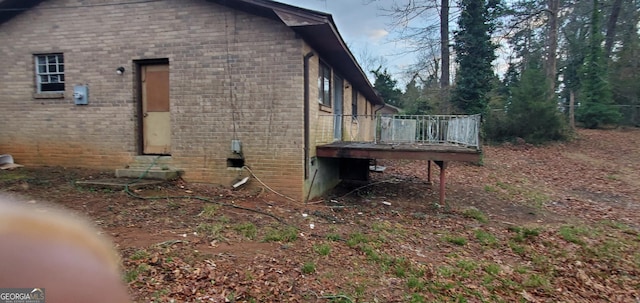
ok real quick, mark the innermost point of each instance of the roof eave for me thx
(334, 52)
(12, 8)
(319, 30)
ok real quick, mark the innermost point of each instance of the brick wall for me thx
(321, 128)
(232, 76)
(322, 116)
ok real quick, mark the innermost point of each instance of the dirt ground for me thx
(558, 223)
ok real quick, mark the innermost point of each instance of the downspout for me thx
(376, 112)
(306, 114)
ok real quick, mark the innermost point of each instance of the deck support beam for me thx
(439, 154)
(443, 169)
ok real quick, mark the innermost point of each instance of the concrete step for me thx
(155, 162)
(153, 174)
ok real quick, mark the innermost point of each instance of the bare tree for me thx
(611, 27)
(528, 16)
(416, 22)
(369, 62)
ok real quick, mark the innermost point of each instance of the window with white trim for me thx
(49, 73)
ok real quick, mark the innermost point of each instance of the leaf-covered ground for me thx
(559, 223)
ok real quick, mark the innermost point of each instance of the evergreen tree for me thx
(386, 87)
(475, 53)
(415, 101)
(532, 113)
(495, 124)
(511, 78)
(625, 70)
(595, 96)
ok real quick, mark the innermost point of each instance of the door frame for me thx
(139, 64)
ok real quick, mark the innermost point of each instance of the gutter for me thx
(376, 112)
(306, 113)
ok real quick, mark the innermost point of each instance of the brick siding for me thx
(233, 75)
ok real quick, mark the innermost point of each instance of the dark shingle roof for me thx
(11, 8)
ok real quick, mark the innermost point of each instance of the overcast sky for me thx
(369, 34)
(365, 29)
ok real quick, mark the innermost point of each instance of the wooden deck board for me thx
(410, 151)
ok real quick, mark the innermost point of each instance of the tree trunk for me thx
(572, 116)
(444, 50)
(444, 42)
(552, 43)
(611, 27)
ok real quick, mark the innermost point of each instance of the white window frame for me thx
(49, 69)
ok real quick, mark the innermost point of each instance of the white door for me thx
(338, 96)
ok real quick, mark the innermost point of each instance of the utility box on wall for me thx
(236, 147)
(81, 95)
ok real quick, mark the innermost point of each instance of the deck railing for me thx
(396, 129)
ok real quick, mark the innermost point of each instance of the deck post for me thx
(443, 168)
(429, 172)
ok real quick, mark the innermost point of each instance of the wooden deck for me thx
(438, 153)
(410, 151)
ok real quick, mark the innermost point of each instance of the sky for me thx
(366, 30)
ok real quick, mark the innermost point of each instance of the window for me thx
(324, 85)
(366, 107)
(354, 103)
(50, 73)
